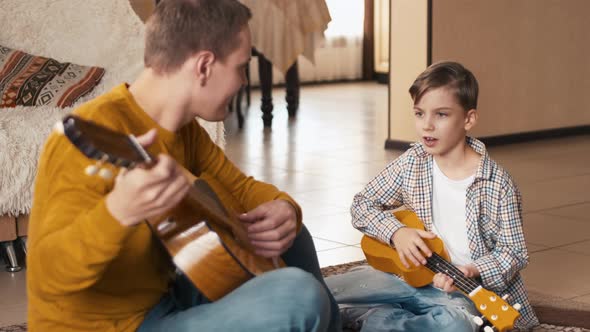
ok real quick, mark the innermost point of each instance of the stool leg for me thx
(292, 83)
(265, 73)
(239, 108)
(248, 85)
(23, 242)
(11, 254)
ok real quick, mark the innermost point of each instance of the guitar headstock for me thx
(495, 309)
(102, 144)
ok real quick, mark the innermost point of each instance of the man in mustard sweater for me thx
(93, 264)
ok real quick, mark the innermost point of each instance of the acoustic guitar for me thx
(494, 309)
(204, 240)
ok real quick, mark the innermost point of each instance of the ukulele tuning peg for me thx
(517, 306)
(488, 329)
(58, 127)
(91, 170)
(478, 320)
(105, 173)
(505, 297)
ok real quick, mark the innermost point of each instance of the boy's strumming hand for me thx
(410, 246)
(142, 193)
(272, 227)
(446, 283)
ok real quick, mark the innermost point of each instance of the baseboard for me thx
(382, 78)
(393, 144)
(509, 138)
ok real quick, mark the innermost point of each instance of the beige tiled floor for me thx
(335, 146)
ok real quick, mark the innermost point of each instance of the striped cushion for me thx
(29, 80)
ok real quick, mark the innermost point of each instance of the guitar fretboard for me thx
(438, 264)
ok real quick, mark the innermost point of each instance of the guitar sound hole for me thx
(166, 226)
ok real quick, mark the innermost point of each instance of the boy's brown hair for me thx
(451, 75)
(180, 28)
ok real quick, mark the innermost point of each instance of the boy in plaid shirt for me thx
(461, 195)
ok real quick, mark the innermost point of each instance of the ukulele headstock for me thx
(494, 309)
(102, 144)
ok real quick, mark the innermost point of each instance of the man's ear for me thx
(203, 66)
(470, 118)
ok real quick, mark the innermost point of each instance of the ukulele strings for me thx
(459, 278)
(435, 261)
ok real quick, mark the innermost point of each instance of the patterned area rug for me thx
(560, 316)
(565, 314)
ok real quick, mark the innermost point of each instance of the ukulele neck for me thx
(438, 264)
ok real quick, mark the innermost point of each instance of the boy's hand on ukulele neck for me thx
(410, 246)
(446, 283)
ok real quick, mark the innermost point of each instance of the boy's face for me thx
(441, 122)
(226, 78)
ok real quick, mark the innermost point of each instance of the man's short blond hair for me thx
(180, 28)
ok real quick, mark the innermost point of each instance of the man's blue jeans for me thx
(371, 300)
(289, 299)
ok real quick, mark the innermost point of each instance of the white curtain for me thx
(340, 57)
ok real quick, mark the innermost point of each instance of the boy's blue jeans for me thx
(377, 301)
(290, 299)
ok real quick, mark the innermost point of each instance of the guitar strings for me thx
(460, 280)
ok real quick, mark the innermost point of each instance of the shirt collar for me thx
(484, 170)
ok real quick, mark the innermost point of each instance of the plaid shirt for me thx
(493, 217)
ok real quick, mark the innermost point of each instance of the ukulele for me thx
(494, 309)
(204, 240)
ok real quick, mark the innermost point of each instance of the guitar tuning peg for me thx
(517, 306)
(58, 127)
(105, 173)
(488, 329)
(478, 320)
(505, 297)
(91, 170)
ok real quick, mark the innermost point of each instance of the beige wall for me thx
(407, 60)
(531, 57)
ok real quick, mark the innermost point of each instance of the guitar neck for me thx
(437, 264)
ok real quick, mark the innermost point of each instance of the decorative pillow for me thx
(30, 80)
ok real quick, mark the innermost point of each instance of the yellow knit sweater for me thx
(86, 272)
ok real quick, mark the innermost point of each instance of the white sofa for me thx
(101, 33)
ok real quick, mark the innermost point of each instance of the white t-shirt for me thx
(448, 209)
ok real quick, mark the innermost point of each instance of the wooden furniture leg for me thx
(292, 82)
(265, 74)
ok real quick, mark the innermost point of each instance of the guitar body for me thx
(208, 243)
(213, 252)
(385, 258)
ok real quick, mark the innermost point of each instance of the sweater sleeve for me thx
(248, 191)
(73, 236)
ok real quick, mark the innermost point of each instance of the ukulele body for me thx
(385, 258)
